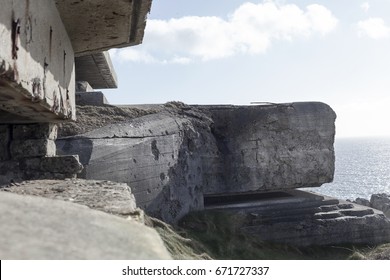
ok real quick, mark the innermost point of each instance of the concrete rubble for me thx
(41, 228)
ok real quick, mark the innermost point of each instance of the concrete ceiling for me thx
(97, 25)
(97, 70)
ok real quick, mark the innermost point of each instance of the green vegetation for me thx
(214, 234)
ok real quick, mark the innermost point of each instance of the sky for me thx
(238, 52)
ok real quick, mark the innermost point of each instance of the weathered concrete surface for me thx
(98, 25)
(97, 70)
(36, 63)
(94, 98)
(41, 228)
(151, 154)
(174, 157)
(110, 197)
(29, 152)
(303, 219)
(56, 167)
(271, 147)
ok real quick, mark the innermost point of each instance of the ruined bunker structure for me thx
(45, 46)
(178, 161)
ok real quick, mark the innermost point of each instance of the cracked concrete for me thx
(175, 156)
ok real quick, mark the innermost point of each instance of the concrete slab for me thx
(36, 63)
(41, 228)
(98, 25)
(97, 70)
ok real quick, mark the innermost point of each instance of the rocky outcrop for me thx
(109, 197)
(302, 219)
(41, 228)
(379, 201)
(174, 157)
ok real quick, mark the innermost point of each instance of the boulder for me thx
(362, 201)
(41, 228)
(381, 202)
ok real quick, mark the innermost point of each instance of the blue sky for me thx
(237, 52)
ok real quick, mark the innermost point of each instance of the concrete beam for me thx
(98, 25)
(97, 70)
(36, 63)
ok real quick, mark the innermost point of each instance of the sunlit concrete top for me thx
(39, 41)
(98, 25)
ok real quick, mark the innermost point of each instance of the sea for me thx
(362, 168)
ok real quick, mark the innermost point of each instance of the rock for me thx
(305, 219)
(41, 228)
(381, 202)
(110, 197)
(362, 201)
(176, 156)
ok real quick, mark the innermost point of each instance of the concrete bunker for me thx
(46, 46)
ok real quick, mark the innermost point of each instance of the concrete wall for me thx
(36, 63)
(173, 158)
(29, 152)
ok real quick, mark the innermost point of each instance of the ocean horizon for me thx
(362, 168)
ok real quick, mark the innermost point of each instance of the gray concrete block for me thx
(94, 98)
(36, 62)
(41, 228)
(32, 148)
(61, 164)
(280, 146)
(171, 160)
(34, 131)
(53, 164)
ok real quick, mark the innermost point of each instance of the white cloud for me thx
(374, 28)
(250, 29)
(365, 6)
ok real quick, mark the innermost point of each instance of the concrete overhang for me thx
(97, 70)
(97, 25)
